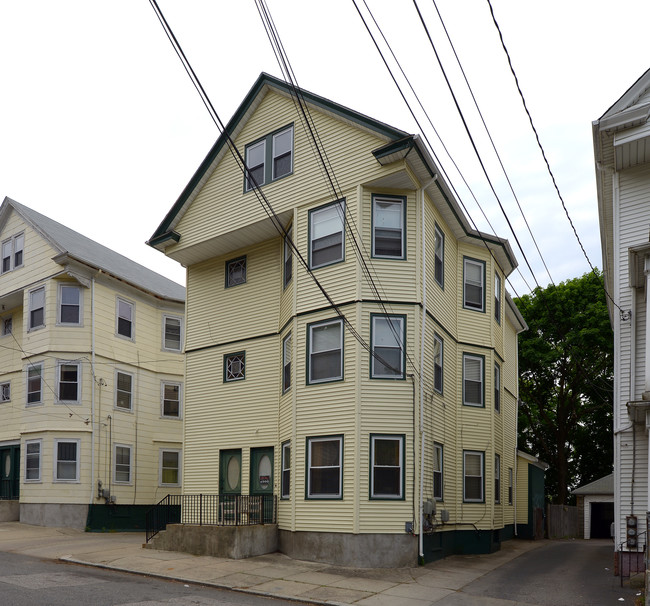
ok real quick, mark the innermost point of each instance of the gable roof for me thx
(621, 138)
(76, 246)
(603, 485)
(399, 145)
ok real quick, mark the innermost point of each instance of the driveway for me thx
(559, 573)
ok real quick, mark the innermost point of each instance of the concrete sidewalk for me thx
(271, 575)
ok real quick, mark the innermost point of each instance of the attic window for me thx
(269, 158)
(12, 253)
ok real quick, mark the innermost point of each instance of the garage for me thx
(595, 503)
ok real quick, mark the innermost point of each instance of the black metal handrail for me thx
(635, 550)
(210, 510)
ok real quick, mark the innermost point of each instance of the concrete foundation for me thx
(9, 511)
(234, 542)
(356, 550)
(66, 515)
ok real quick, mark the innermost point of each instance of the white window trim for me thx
(178, 451)
(128, 482)
(310, 441)
(283, 494)
(29, 367)
(311, 328)
(380, 496)
(481, 360)
(59, 305)
(77, 478)
(132, 375)
(2, 384)
(164, 326)
(163, 383)
(59, 365)
(117, 318)
(29, 308)
(481, 454)
(39, 479)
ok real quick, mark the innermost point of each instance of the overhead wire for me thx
(326, 166)
(248, 175)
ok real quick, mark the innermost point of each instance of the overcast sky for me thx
(101, 129)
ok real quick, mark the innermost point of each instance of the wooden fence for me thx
(562, 522)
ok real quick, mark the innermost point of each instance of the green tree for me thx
(565, 382)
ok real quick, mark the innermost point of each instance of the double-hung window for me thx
(439, 256)
(282, 153)
(497, 479)
(5, 391)
(497, 387)
(473, 284)
(473, 468)
(7, 326)
(473, 380)
(66, 460)
(438, 363)
(37, 308)
(69, 382)
(497, 297)
(387, 358)
(286, 363)
(269, 158)
(12, 253)
(122, 469)
(172, 333)
(69, 311)
(33, 460)
(287, 257)
(171, 400)
(170, 467)
(509, 485)
(123, 390)
(35, 383)
(125, 318)
(234, 367)
(326, 231)
(286, 470)
(325, 467)
(387, 467)
(325, 351)
(437, 471)
(388, 227)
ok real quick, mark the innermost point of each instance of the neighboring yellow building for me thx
(350, 345)
(91, 378)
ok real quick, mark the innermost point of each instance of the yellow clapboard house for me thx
(91, 378)
(350, 348)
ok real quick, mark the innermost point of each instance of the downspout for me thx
(92, 396)
(423, 325)
(514, 480)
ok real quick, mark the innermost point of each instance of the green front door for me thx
(9, 472)
(261, 479)
(230, 472)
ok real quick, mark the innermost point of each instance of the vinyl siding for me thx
(143, 429)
